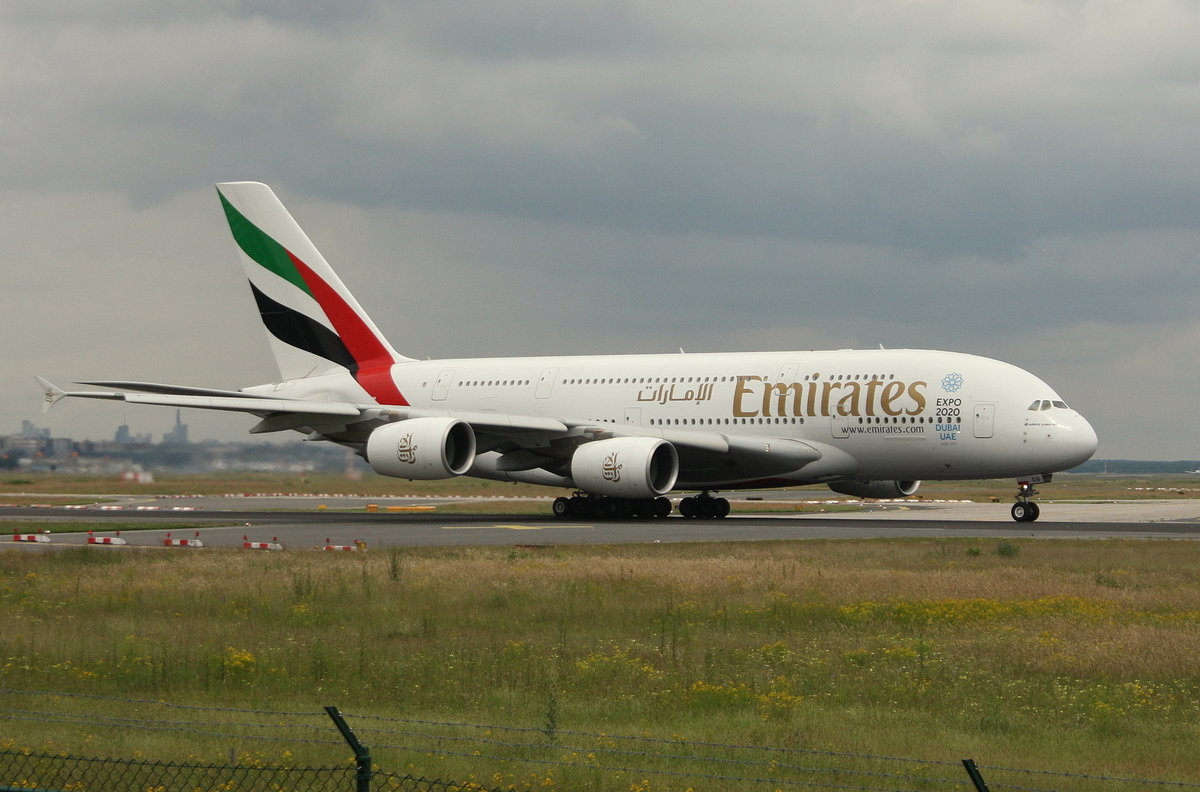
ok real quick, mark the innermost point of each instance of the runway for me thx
(312, 522)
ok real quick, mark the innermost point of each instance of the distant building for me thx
(30, 431)
(178, 435)
(126, 437)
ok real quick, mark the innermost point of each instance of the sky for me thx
(1019, 180)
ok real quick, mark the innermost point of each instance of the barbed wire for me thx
(160, 703)
(163, 726)
(646, 754)
(659, 740)
(1087, 777)
(641, 771)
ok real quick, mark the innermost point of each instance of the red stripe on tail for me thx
(373, 358)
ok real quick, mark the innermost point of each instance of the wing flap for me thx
(242, 404)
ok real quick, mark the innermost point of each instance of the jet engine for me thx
(626, 467)
(422, 448)
(875, 489)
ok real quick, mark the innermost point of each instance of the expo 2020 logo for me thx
(952, 382)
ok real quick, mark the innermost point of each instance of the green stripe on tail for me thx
(262, 248)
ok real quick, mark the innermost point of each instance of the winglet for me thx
(51, 393)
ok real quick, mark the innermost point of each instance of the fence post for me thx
(974, 774)
(362, 756)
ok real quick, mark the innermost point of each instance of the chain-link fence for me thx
(488, 756)
(44, 772)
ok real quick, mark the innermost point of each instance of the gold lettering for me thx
(872, 386)
(782, 390)
(917, 396)
(848, 404)
(850, 397)
(741, 390)
(891, 392)
(826, 389)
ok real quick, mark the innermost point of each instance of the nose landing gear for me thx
(1025, 510)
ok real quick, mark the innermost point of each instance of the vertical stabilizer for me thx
(313, 322)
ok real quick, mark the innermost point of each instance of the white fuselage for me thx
(873, 414)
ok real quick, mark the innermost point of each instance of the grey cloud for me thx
(612, 176)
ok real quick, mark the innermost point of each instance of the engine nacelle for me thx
(876, 489)
(422, 448)
(626, 467)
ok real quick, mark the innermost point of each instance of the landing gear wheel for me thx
(720, 508)
(687, 507)
(662, 508)
(704, 506)
(1025, 510)
(561, 508)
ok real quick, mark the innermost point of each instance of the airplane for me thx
(621, 431)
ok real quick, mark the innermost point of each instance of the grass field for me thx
(1064, 655)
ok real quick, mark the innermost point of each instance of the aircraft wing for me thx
(527, 441)
(204, 398)
(281, 414)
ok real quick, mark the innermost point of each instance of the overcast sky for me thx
(1013, 179)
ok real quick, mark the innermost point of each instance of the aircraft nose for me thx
(1078, 441)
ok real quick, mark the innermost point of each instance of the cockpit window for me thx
(1045, 404)
(1060, 404)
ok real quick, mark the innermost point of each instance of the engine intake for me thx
(876, 489)
(626, 467)
(422, 448)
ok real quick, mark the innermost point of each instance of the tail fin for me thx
(313, 322)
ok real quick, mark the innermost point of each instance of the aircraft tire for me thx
(561, 508)
(720, 508)
(581, 508)
(1025, 512)
(662, 508)
(687, 507)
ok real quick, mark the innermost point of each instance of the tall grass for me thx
(1066, 655)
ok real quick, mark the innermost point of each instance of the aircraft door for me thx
(545, 383)
(633, 416)
(985, 419)
(839, 425)
(441, 386)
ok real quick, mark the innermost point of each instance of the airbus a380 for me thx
(622, 431)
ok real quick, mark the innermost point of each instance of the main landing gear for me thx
(704, 506)
(581, 505)
(584, 506)
(1025, 510)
